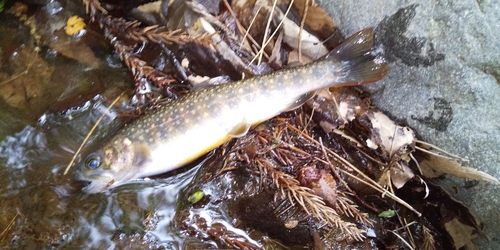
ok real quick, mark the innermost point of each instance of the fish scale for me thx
(189, 127)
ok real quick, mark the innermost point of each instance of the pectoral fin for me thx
(141, 155)
(297, 103)
(240, 130)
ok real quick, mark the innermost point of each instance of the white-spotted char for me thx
(187, 128)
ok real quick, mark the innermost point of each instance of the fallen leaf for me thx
(400, 175)
(393, 139)
(74, 25)
(461, 234)
(433, 166)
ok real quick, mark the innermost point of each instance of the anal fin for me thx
(303, 99)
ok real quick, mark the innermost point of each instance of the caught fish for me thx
(189, 127)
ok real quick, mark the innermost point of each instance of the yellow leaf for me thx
(74, 25)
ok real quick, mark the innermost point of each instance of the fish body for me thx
(189, 127)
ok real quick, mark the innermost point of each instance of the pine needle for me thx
(10, 224)
(451, 156)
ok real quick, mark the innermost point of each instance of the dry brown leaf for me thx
(318, 21)
(400, 175)
(76, 49)
(31, 72)
(461, 234)
(384, 179)
(433, 166)
(335, 107)
(393, 139)
(311, 46)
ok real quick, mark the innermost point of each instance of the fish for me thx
(187, 128)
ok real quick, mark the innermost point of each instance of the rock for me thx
(444, 82)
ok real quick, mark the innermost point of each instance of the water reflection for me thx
(17, 150)
(19, 154)
(143, 210)
(40, 207)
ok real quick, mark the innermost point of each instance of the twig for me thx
(302, 22)
(403, 240)
(30, 65)
(265, 32)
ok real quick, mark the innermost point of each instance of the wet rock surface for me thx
(443, 82)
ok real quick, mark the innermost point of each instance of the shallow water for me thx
(43, 120)
(42, 208)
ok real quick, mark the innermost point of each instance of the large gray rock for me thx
(444, 83)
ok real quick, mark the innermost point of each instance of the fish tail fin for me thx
(357, 64)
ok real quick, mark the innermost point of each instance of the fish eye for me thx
(93, 161)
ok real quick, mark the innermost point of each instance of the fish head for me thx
(112, 165)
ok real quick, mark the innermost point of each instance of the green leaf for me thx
(387, 214)
(196, 197)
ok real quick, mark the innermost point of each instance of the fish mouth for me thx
(94, 175)
(80, 177)
(98, 184)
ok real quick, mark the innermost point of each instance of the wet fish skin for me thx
(187, 128)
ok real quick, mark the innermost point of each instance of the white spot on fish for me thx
(127, 142)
